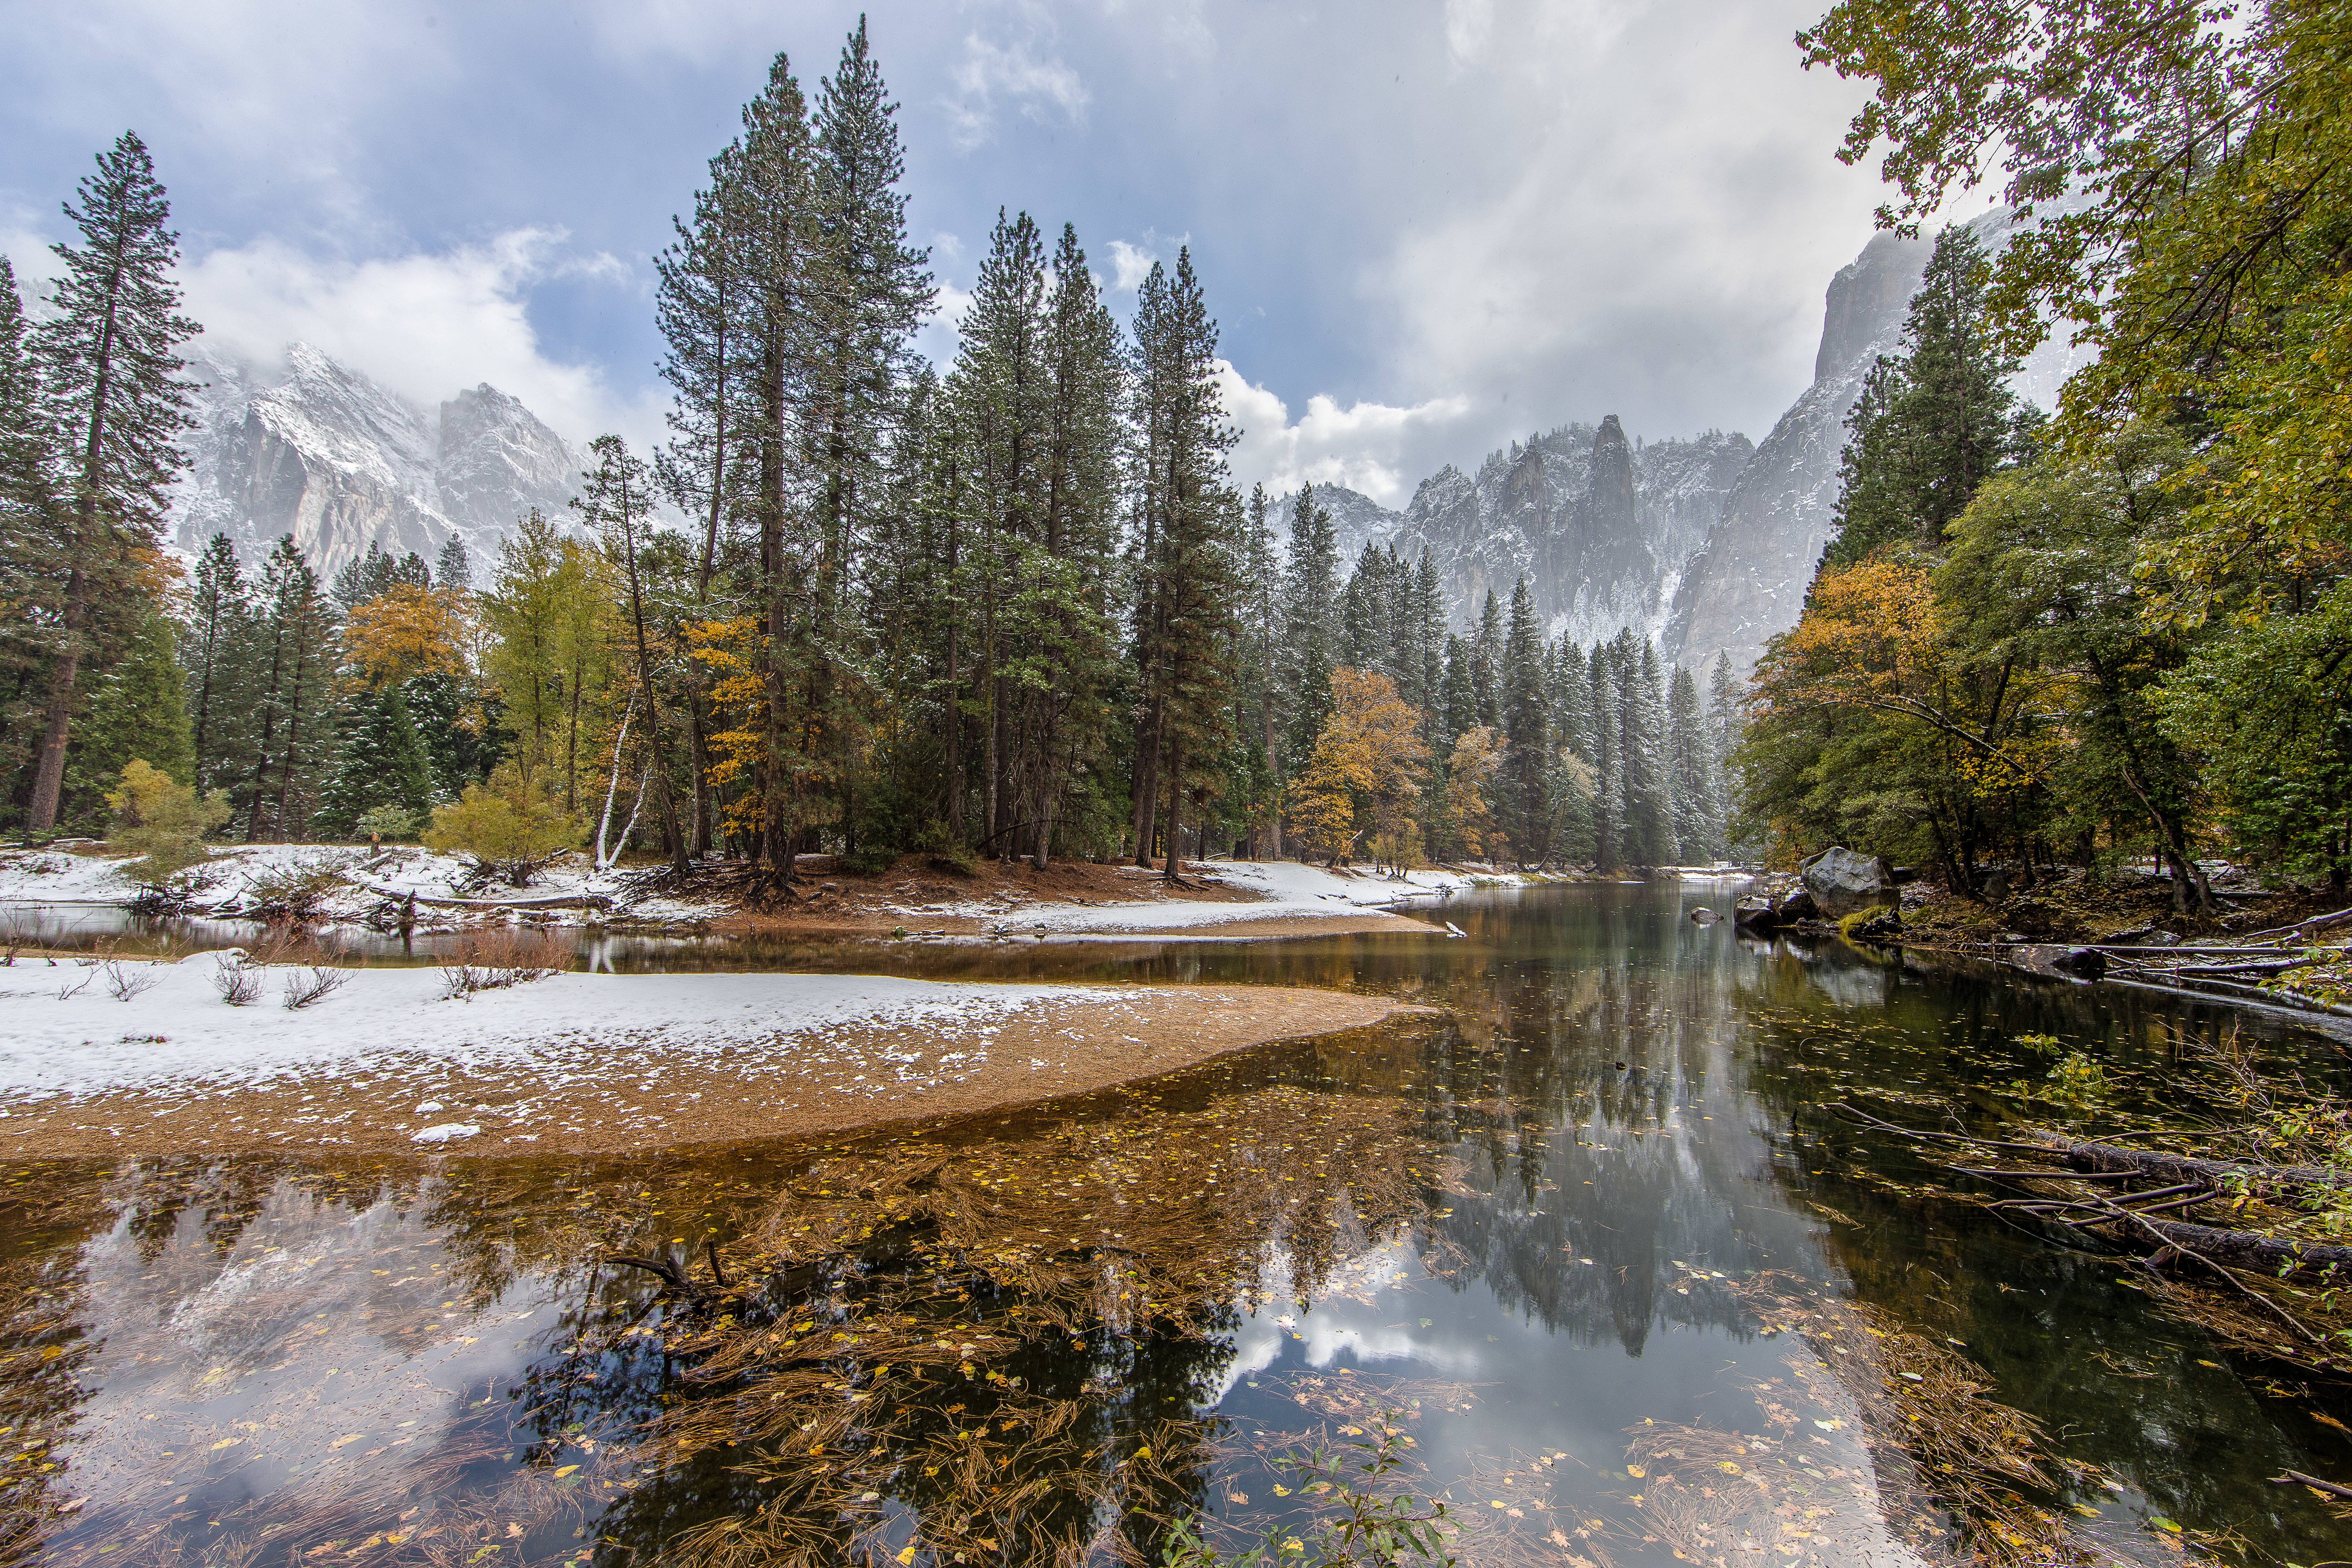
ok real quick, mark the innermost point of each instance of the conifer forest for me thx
(1012, 607)
(1015, 606)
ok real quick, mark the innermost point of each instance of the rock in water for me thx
(1754, 914)
(1844, 882)
(1798, 905)
(2082, 962)
(1704, 916)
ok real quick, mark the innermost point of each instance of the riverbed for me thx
(1582, 1254)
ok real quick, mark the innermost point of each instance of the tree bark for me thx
(49, 777)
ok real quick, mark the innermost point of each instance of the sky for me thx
(1425, 226)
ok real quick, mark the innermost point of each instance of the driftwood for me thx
(2127, 1217)
(549, 901)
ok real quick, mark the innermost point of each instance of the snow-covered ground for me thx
(1286, 889)
(228, 883)
(69, 1032)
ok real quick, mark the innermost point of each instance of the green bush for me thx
(509, 827)
(162, 823)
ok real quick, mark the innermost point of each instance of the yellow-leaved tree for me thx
(1362, 781)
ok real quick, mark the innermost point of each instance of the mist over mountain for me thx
(316, 449)
(1705, 544)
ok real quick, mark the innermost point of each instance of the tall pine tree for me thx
(109, 376)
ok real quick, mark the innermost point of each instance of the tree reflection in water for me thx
(1527, 1240)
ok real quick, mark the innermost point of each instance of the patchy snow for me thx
(67, 1032)
(228, 883)
(1287, 888)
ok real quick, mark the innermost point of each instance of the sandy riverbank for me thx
(582, 1062)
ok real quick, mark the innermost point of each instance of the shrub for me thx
(495, 959)
(508, 828)
(294, 894)
(387, 822)
(163, 823)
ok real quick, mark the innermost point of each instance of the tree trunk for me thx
(49, 777)
(1174, 871)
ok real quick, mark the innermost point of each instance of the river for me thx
(1587, 1259)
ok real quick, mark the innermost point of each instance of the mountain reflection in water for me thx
(1587, 1254)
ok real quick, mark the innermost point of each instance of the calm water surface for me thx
(1589, 1249)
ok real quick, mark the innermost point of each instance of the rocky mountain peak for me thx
(310, 447)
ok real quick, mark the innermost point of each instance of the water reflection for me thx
(1537, 1237)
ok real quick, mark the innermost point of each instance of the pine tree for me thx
(617, 501)
(1192, 536)
(1262, 578)
(34, 558)
(772, 217)
(294, 660)
(452, 569)
(1311, 625)
(1609, 828)
(111, 379)
(1486, 662)
(1526, 732)
(1000, 386)
(1723, 708)
(1459, 699)
(1066, 674)
(137, 711)
(1934, 422)
(379, 760)
(213, 652)
(1694, 782)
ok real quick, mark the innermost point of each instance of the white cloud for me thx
(1651, 243)
(424, 324)
(1467, 23)
(1129, 265)
(1026, 71)
(936, 341)
(1374, 448)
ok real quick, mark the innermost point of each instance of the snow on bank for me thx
(60, 1039)
(227, 882)
(1286, 889)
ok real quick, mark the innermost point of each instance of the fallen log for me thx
(2223, 1174)
(2075, 1155)
(2243, 1248)
(2306, 927)
(550, 902)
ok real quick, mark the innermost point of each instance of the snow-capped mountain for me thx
(1599, 525)
(1705, 544)
(315, 450)
(1747, 582)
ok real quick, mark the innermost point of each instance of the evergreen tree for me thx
(294, 661)
(1311, 625)
(213, 650)
(34, 558)
(1934, 422)
(1459, 699)
(1694, 782)
(1486, 662)
(379, 760)
(1064, 672)
(1192, 542)
(617, 501)
(1527, 757)
(1262, 578)
(455, 572)
(1722, 708)
(109, 376)
(1608, 825)
(137, 711)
